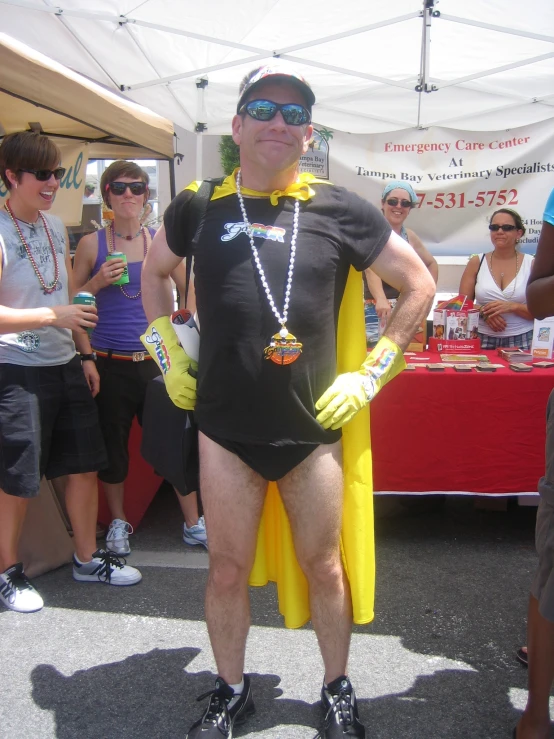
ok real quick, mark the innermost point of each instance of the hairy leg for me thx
(535, 722)
(313, 494)
(81, 499)
(12, 516)
(233, 497)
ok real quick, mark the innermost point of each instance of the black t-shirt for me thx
(242, 396)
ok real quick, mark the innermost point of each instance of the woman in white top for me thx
(497, 281)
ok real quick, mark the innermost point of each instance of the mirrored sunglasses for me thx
(504, 227)
(265, 110)
(118, 188)
(404, 203)
(43, 175)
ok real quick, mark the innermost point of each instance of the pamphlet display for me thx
(542, 346)
(455, 325)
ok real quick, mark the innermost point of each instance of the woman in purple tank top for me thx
(125, 368)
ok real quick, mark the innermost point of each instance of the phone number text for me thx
(484, 198)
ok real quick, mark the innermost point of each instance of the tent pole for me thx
(424, 85)
(200, 127)
(199, 143)
(172, 187)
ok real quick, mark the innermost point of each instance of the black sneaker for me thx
(341, 711)
(219, 718)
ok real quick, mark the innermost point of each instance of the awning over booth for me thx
(374, 66)
(39, 93)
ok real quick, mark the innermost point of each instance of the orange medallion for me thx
(283, 350)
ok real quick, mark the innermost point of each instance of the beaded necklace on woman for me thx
(47, 289)
(111, 233)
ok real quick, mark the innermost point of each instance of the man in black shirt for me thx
(271, 267)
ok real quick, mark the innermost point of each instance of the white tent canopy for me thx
(477, 65)
(38, 93)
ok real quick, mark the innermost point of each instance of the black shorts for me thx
(271, 461)
(122, 392)
(170, 439)
(48, 426)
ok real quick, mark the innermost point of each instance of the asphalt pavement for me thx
(438, 662)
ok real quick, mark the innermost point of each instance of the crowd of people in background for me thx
(73, 377)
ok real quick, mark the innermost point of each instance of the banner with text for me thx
(68, 204)
(460, 177)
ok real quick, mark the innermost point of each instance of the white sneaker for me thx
(117, 539)
(17, 593)
(105, 567)
(196, 534)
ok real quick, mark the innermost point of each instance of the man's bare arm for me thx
(424, 254)
(399, 265)
(540, 288)
(157, 292)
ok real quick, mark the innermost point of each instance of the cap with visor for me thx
(257, 76)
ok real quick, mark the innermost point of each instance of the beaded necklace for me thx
(283, 347)
(47, 289)
(129, 238)
(111, 248)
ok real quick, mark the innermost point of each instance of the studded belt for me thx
(126, 356)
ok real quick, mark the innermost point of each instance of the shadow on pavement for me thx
(152, 696)
(451, 582)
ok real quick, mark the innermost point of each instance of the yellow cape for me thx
(275, 557)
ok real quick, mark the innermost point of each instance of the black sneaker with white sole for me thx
(224, 711)
(341, 711)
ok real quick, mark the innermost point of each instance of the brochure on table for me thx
(543, 338)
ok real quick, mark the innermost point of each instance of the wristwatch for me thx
(88, 357)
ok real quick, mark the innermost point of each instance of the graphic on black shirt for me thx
(241, 396)
(259, 231)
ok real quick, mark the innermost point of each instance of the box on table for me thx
(455, 330)
(375, 327)
(543, 338)
(455, 325)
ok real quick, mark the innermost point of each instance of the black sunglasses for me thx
(118, 188)
(43, 175)
(264, 110)
(504, 227)
(404, 203)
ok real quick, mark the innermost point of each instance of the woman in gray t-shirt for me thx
(47, 413)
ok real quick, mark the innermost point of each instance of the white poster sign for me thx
(68, 204)
(460, 177)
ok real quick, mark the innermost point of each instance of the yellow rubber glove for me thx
(163, 346)
(352, 391)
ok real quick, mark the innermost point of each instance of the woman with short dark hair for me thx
(47, 413)
(125, 368)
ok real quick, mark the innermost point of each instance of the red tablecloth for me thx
(431, 431)
(460, 432)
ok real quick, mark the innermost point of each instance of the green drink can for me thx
(124, 279)
(84, 298)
